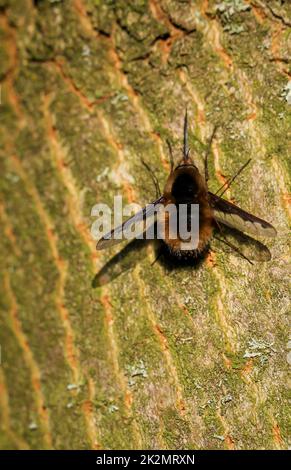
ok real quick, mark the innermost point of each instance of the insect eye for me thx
(184, 187)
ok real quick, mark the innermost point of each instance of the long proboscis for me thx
(186, 149)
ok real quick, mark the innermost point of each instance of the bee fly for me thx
(185, 185)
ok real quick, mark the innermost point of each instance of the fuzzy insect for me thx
(185, 185)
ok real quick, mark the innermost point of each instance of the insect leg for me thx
(206, 173)
(157, 257)
(171, 155)
(154, 178)
(185, 149)
(227, 242)
(234, 248)
(231, 180)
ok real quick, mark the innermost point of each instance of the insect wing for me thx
(124, 231)
(231, 215)
(244, 245)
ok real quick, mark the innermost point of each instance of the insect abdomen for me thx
(205, 233)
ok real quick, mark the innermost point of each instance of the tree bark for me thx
(140, 356)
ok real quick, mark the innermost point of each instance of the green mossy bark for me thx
(160, 357)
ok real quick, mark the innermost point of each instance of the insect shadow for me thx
(134, 252)
(123, 261)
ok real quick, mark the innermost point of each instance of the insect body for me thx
(186, 186)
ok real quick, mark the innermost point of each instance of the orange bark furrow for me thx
(261, 17)
(278, 31)
(90, 416)
(83, 15)
(230, 444)
(11, 48)
(218, 171)
(201, 117)
(70, 350)
(258, 12)
(73, 199)
(277, 436)
(247, 369)
(213, 36)
(117, 63)
(211, 259)
(117, 147)
(228, 332)
(271, 13)
(135, 99)
(160, 16)
(30, 362)
(128, 398)
(86, 103)
(283, 186)
(175, 33)
(173, 374)
(50, 231)
(260, 149)
(180, 403)
(228, 439)
(5, 415)
(254, 131)
(105, 300)
(260, 397)
(202, 124)
(75, 211)
(8, 230)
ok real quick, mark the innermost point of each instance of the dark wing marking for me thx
(123, 231)
(246, 246)
(231, 215)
